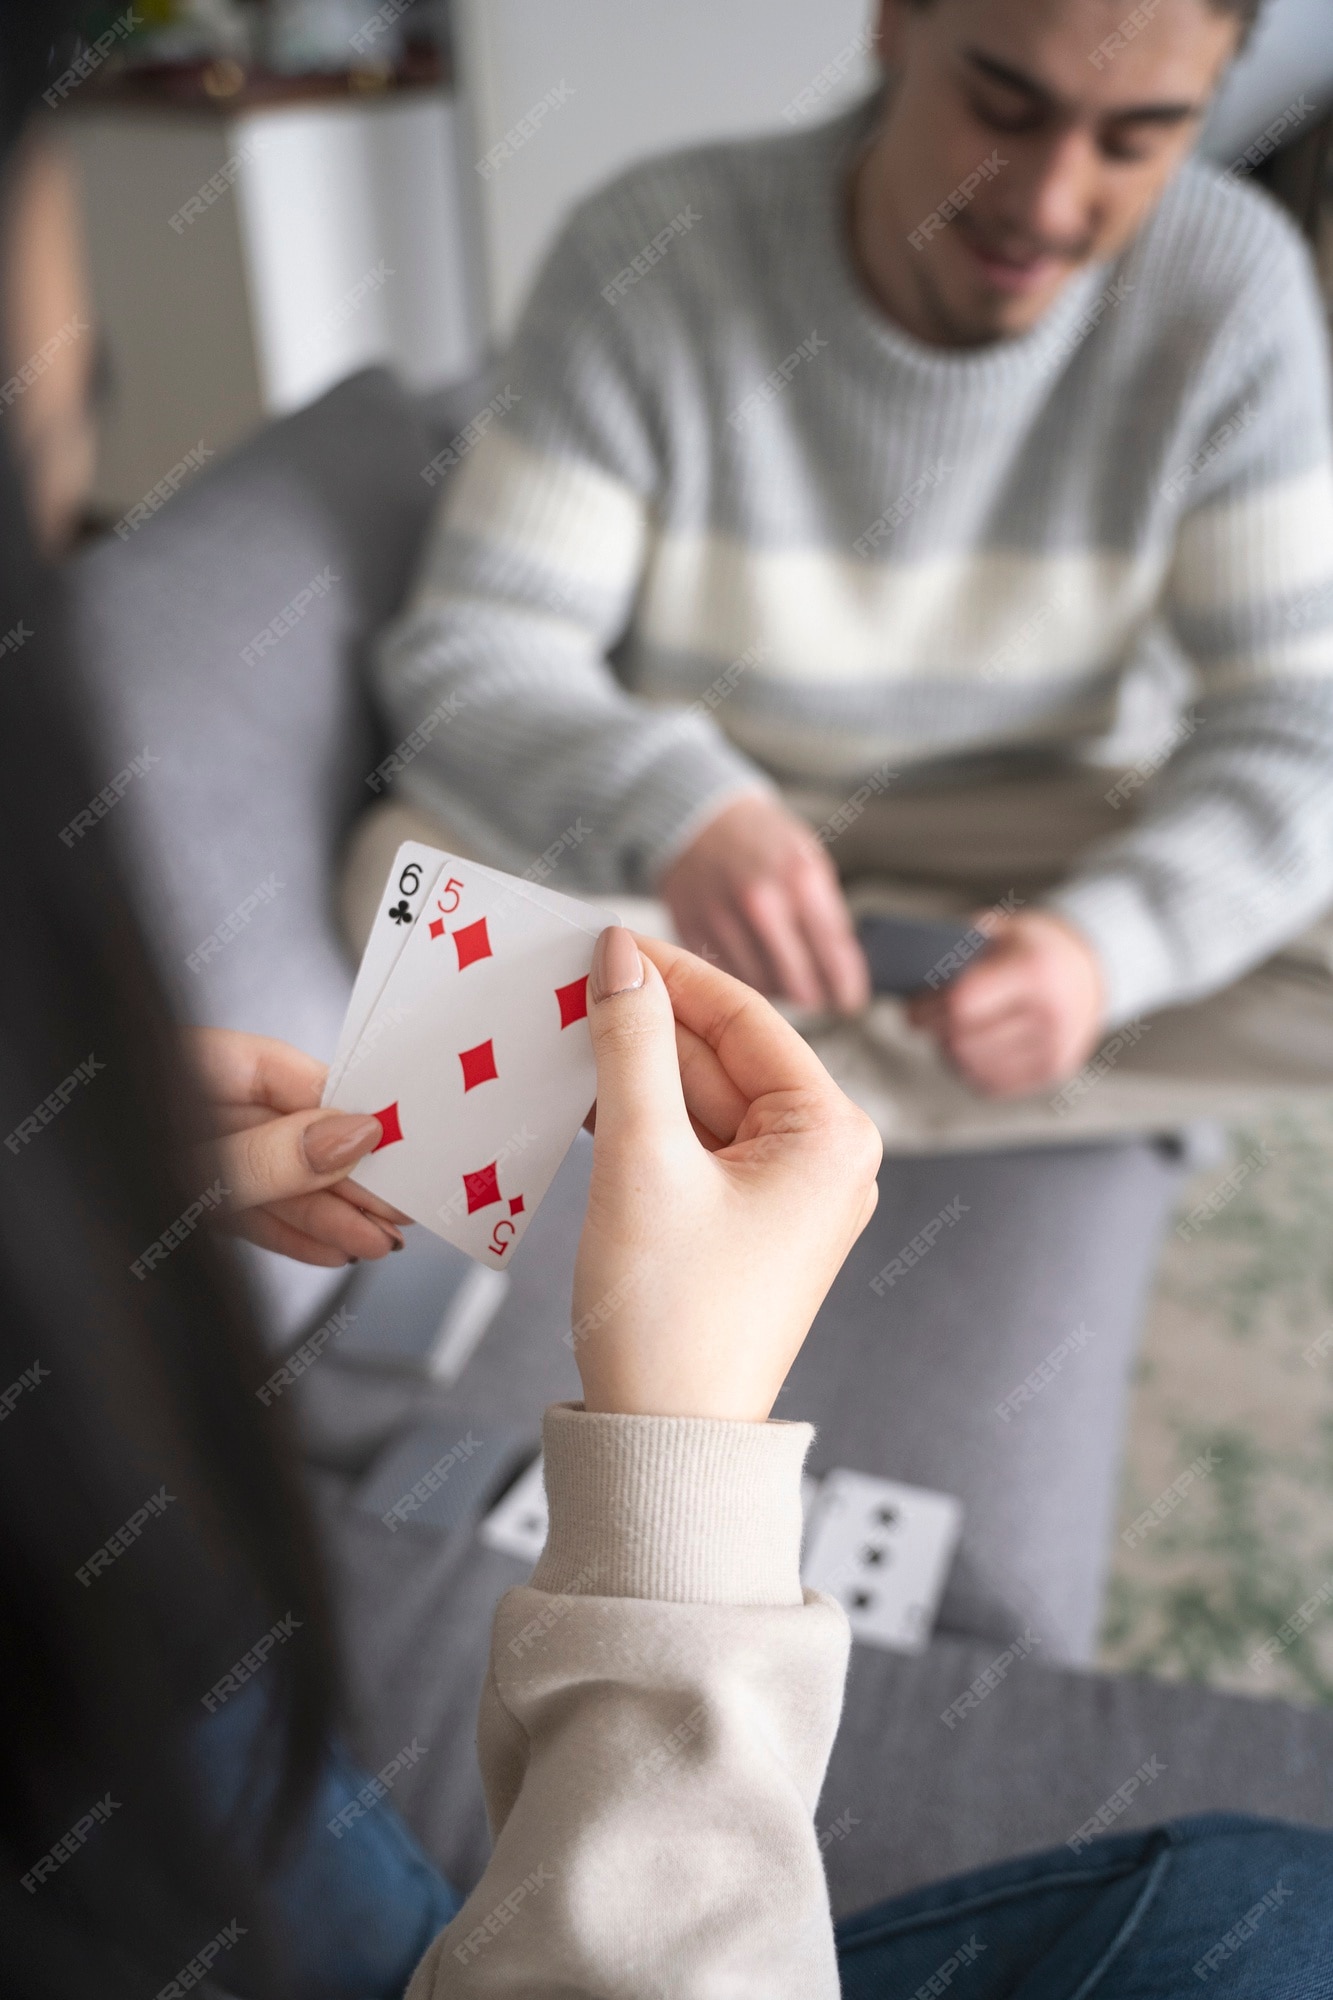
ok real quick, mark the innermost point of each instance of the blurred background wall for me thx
(281, 191)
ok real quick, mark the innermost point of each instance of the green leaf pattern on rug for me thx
(1229, 1578)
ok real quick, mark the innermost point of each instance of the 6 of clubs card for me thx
(467, 1037)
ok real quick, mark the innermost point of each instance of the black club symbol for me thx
(400, 914)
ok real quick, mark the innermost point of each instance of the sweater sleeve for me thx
(499, 664)
(1231, 853)
(660, 1706)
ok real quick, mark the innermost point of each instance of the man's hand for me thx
(1027, 1013)
(758, 895)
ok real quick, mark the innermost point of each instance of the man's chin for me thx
(977, 312)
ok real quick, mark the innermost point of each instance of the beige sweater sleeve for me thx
(660, 1707)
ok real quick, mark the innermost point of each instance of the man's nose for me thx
(1053, 197)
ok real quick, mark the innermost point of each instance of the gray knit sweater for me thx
(725, 524)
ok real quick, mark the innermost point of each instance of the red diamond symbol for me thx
(573, 1001)
(482, 1188)
(516, 1205)
(393, 1131)
(473, 943)
(478, 1065)
(436, 927)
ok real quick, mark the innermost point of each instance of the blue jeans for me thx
(353, 1904)
(1218, 1904)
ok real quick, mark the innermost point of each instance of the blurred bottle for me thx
(301, 36)
(193, 30)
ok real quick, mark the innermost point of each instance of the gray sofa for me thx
(235, 830)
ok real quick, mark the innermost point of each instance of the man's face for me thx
(1090, 106)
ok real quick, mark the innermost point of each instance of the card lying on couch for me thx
(467, 1037)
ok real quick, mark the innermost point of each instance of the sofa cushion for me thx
(222, 643)
(259, 736)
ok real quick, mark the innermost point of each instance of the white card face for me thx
(517, 1524)
(553, 899)
(477, 1058)
(884, 1551)
(415, 870)
(411, 879)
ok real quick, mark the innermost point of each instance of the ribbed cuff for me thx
(689, 1510)
(693, 775)
(1114, 915)
(684, 832)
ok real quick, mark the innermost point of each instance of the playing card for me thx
(411, 879)
(517, 1524)
(884, 1551)
(413, 875)
(907, 955)
(476, 1057)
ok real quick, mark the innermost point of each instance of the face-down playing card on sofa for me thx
(475, 1054)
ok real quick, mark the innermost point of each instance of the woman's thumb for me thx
(633, 1038)
(294, 1155)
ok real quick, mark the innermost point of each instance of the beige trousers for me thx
(946, 852)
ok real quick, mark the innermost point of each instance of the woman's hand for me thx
(730, 1178)
(284, 1161)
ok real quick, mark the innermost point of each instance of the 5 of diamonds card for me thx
(474, 1053)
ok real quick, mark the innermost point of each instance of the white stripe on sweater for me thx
(1260, 543)
(823, 616)
(561, 513)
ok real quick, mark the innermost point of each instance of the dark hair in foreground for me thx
(118, 1388)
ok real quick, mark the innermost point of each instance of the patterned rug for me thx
(1224, 1565)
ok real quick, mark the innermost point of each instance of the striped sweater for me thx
(730, 526)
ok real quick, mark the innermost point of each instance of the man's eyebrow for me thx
(1171, 113)
(1013, 79)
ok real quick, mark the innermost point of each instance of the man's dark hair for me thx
(1246, 12)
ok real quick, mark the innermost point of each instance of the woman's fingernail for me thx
(335, 1142)
(616, 965)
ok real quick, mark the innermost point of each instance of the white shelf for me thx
(331, 238)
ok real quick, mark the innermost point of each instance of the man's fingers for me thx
(739, 950)
(294, 1155)
(1011, 1057)
(1012, 1080)
(994, 986)
(255, 1069)
(771, 914)
(1014, 1040)
(833, 942)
